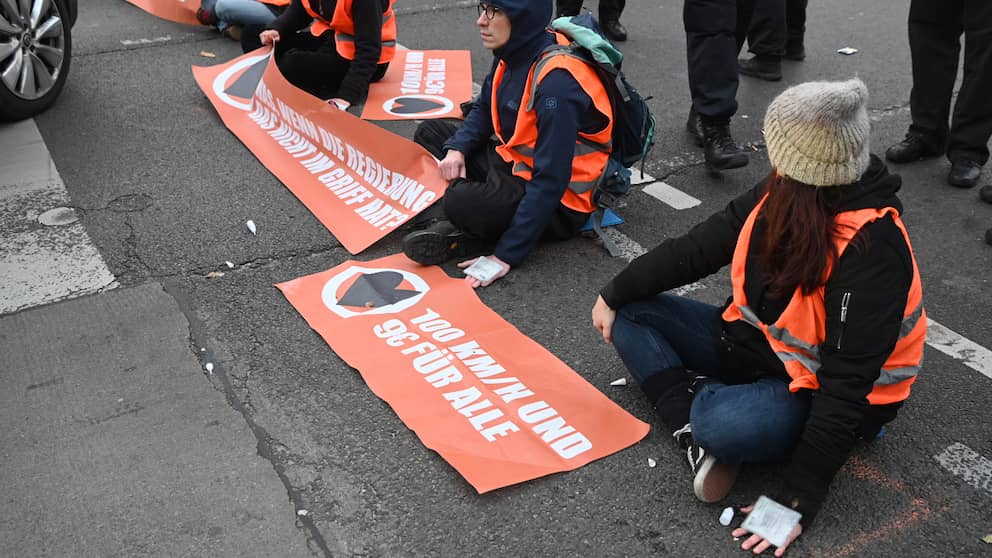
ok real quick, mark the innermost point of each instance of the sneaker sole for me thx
(714, 480)
(431, 248)
(760, 75)
(731, 163)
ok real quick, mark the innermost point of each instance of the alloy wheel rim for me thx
(32, 47)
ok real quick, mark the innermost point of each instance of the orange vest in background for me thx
(796, 336)
(344, 29)
(591, 150)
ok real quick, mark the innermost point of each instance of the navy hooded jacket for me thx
(563, 108)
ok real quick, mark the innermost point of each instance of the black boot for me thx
(437, 244)
(614, 30)
(768, 68)
(719, 147)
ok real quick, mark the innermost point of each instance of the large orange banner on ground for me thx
(359, 180)
(180, 11)
(421, 84)
(496, 405)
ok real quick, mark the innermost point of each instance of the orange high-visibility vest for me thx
(591, 150)
(796, 336)
(281, 3)
(344, 29)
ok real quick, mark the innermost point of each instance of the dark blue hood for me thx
(528, 21)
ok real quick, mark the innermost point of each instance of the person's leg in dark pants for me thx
(568, 7)
(795, 25)
(934, 43)
(609, 19)
(433, 134)
(711, 52)
(971, 123)
(765, 32)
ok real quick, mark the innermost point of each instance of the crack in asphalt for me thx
(266, 446)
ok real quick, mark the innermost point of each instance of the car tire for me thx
(45, 45)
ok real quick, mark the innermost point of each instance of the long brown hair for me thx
(798, 248)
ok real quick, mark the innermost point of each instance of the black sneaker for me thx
(712, 480)
(911, 148)
(436, 244)
(795, 51)
(719, 148)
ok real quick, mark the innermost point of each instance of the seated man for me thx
(230, 16)
(349, 45)
(553, 136)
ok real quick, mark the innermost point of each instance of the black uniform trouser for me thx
(609, 10)
(715, 31)
(483, 203)
(935, 28)
(310, 63)
(775, 25)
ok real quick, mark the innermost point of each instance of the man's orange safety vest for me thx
(344, 29)
(591, 150)
(796, 336)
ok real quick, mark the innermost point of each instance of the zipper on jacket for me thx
(844, 303)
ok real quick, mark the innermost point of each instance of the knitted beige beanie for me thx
(817, 132)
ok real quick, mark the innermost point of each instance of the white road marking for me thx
(154, 40)
(972, 354)
(40, 264)
(674, 197)
(638, 177)
(967, 464)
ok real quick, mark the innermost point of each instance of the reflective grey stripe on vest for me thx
(812, 362)
(344, 37)
(909, 322)
(577, 187)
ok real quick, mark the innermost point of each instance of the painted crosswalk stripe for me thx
(673, 197)
(45, 255)
(968, 352)
(967, 464)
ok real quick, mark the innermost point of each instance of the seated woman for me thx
(823, 334)
(348, 46)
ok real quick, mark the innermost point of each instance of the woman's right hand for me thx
(603, 317)
(453, 165)
(269, 37)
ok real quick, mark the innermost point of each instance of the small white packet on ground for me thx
(483, 269)
(771, 521)
(847, 51)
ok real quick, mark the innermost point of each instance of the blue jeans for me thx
(242, 12)
(753, 422)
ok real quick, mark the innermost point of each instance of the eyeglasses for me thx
(489, 10)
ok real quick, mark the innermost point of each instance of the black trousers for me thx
(483, 204)
(775, 25)
(935, 29)
(308, 62)
(715, 31)
(609, 10)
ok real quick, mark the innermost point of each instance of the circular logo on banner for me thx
(234, 87)
(418, 106)
(359, 291)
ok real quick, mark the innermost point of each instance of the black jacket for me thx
(876, 269)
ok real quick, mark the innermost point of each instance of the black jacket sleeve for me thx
(872, 280)
(702, 251)
(292, 20)
(368, 46)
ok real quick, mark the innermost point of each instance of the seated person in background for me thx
(553, 136)
(824, 332)
(230, 16)
(348, 46)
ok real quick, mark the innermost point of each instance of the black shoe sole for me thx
(432, 248)
(904, 160)
(745, 71)
(734, 162)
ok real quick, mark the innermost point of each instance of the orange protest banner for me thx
(359, 180)
(496, 405)
(421, 84)
(179, 11)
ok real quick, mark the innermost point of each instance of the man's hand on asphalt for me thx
(757, 544)
(504, 269)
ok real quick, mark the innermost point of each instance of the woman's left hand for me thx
(757, 544)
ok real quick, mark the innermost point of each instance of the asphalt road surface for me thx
(163, 190)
